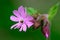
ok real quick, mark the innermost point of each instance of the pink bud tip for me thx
(46, 35)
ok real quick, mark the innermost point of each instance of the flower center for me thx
(21, 21)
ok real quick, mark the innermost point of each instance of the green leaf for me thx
(52, 12)
(31, 11)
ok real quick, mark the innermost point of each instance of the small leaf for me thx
(52, 12)
(31, 11)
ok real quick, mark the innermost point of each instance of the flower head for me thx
(22, 18)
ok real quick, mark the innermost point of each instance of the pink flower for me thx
(22, 18)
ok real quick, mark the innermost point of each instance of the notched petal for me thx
(13, 18)
(29, 24)
(16, 13)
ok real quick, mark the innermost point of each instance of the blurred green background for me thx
(43, 6)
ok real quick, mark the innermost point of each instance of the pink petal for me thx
(29, 24)
(18, 26)
(14, 26)
(21, 29)
(24, 27)
(29, 17)
(22, 11)
(16, 13)
(13, 18)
